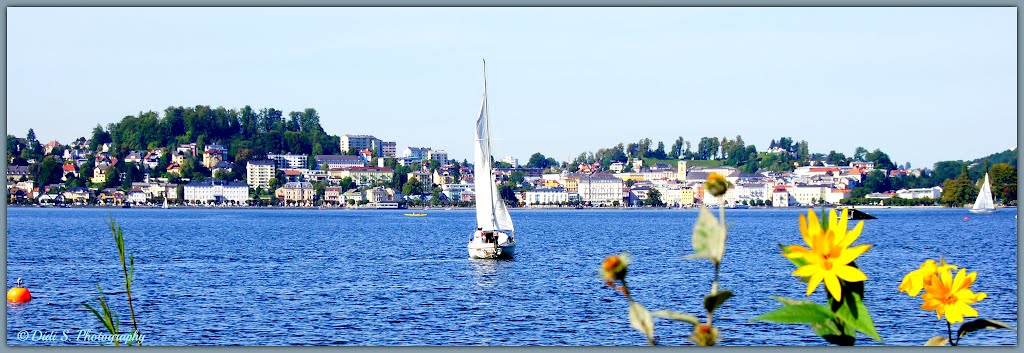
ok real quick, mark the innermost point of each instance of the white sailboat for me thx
(494, 236)
(984, 202)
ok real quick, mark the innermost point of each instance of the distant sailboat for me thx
(984, 202)
(494, 235)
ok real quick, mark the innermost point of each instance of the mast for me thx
(487, 140)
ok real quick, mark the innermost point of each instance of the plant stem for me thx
(119, 238)
(625, 291)
(949, 329)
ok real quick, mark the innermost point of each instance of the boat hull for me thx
(504, 249)
(983, 211)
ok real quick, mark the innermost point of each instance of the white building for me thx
(389, 149)
(361, 142)
(415, 154)
(137, 197)
(337, 161)
(438, 155)
(600, 189)
(807, 195)
(511, 160)
(289, 161)
(546, 196)
(924, 193)
(455, 191)
(835, 196)
(258, 173)
(216, 191)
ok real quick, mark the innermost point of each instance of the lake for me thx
(344, 277)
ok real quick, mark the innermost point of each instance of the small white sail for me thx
(984, 201)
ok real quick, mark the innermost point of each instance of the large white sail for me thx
(984, 201)
(491, 213)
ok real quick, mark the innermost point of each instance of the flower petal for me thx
(807, 270)
(813, 282)
(851, 254)
(850, 273)
(832, 284)
(852, 235)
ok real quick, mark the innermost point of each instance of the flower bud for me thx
(717, 185)
(614, 267)
(704, 335)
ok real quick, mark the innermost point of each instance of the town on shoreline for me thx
(262, 159)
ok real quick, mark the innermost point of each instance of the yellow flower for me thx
(829, 255)
(950, 296)
(716, 184)
(914, 281)
(614, 268)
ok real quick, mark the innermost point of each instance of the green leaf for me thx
(852, 312)
(672, 315)
(937, 341)
(797, 314)
(641, 320)
(832, 334)
(981, 324)
(708, 238)
(791, 301)
(713, 301)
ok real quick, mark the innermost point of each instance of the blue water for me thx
(311, 277)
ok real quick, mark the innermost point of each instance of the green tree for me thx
(516, 178)
(959, 191)
(1004, 182)
(50, 171)
(412, 187)
(654, 198)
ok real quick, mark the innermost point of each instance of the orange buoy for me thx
(19, 294)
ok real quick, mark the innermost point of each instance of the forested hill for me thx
(244, 131)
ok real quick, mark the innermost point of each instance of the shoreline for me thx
(872, 207)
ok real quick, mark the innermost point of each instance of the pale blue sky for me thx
(922, 84)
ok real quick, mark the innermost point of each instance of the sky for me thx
(921, 84)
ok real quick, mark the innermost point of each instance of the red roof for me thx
(844, 191)
(368, 169)
(69, 167)
(824, 170)
(855, 170)
(291, 172)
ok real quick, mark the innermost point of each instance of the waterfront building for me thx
(332, 195)
(258, 173)
(216, 191)
(546, 196)
(295, 193)
(807, 195)
(922, 193)
(78, 195)
(600, 189)
(836, 196)
(455, 191)
(137, 197)
(676, 195)
(781, 196)
(289, 161)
